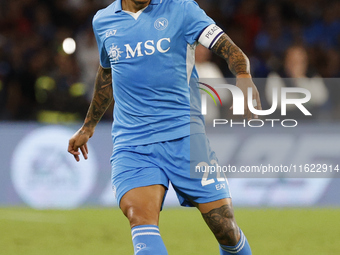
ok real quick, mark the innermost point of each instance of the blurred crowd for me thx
(283, 39)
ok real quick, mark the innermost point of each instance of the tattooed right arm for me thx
(102, 98)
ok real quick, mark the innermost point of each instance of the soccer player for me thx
(147, 63)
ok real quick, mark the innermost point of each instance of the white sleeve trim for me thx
(210, 36)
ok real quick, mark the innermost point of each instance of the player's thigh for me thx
(139, 184)
(195, 187)
(142, 205)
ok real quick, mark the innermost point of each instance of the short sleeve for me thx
(195, 21)
(103, 56)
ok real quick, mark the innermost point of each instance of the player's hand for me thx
(244, 82)
(79, 141)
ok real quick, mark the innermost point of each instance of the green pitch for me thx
(106, 231)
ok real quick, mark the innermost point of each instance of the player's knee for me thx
(228, 234)
(141, 216)
(222, 223)
(142, 205)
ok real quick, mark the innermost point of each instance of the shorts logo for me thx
(140, 246)
(161, 24)
(220, 186)
(114, 53)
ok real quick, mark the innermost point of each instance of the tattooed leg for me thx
(222, 223)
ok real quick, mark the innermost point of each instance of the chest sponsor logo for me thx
(161, 24)
(148, 48)
(141, 49)
(114, 53)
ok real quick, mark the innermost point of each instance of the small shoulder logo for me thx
(114, 53)
(140, 246)
(161, 24)
(110, 33)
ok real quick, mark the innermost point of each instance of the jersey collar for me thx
(118, 6)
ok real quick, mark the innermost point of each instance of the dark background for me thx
(38, 81)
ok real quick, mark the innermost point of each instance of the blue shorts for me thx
(174, 161)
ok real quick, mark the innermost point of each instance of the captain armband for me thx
(210, 36)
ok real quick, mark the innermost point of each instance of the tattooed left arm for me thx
(237, 61)
(239, 65)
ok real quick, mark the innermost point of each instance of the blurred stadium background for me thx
(45, 89)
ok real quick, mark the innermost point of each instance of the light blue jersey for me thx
(151, 54)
